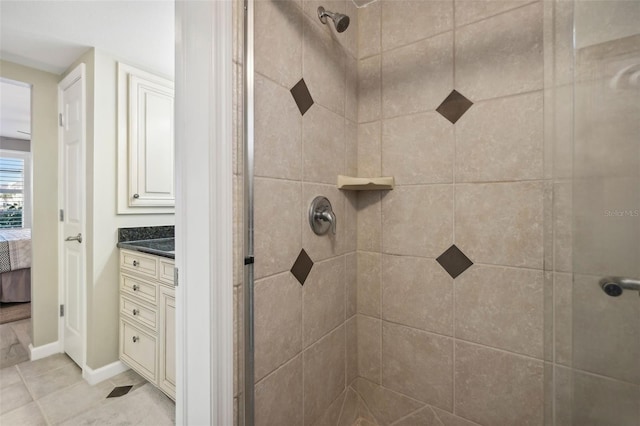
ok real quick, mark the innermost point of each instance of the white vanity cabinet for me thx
(145, 142)
(147, 318)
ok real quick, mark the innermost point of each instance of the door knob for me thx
(77, 238)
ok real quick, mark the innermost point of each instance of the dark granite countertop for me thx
(159, 246)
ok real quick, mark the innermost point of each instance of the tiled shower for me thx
(447, 300)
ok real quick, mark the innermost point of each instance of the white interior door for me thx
(72, 203)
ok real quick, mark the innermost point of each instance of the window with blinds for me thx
(12, 192)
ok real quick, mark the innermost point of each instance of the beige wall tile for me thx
(497, 388)
(448, 419)
(369, 89)
(278, 132)
(349, 409)
(423, 417)
(369, 347)
(563, 223)
(417, 77)
(468, 11)
(369, 221)
(324, 374)
(320, 247)
(586, 399)
(501, 140)
(323, 135)
(323, 65)
(369, 282)
(350, 221)
(386, 406)
(351, 284)
(279, 23)
(417, 292)
(407, 21)
(563, 300)
(502, 308)
(352, 349)
(418, 149)
(418, 220)
(351, 91)
(418, 364)
(350, 148)
(323, 300)
(277, 236)
(279, 396)
(278, 322)
(501, 223)
(369, 149)
(605, 329)
(369, 30)
(501, 55)
(331, 415)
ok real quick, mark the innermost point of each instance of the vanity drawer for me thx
(139, 313)
(139, 349)
(139, 289)
(139, 263)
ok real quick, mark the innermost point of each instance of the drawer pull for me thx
(136, 312)
(136, 263)
(135, 339)
(136, 287)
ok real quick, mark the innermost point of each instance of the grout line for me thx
(504, 12)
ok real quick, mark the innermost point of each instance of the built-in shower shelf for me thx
(365, 184)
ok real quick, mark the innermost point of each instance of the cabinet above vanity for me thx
(145, 142)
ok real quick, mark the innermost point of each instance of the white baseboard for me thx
(103, 373)
(39, 352)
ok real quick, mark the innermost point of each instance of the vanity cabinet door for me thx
(167, 376)
(145, 142)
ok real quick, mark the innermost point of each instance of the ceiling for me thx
(50, 35)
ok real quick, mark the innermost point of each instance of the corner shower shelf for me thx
(365, 184)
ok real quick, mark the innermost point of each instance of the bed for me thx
(15, 265)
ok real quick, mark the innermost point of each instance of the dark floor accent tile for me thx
(302, 266)
(454, 106)
(301, 95)
(119, 391)
(454, 261)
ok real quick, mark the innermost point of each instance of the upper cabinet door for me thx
(146, 169)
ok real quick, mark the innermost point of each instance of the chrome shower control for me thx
(321, 216)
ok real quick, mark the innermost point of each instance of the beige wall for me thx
(102, 220)
(44, 148)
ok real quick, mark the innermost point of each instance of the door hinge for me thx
(61, 310)
(61, 215)
(60, 121)
(175, 277)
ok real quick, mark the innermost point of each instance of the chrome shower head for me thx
(339, 20)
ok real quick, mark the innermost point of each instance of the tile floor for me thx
(51, 391)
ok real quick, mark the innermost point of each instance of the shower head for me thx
(339, 20)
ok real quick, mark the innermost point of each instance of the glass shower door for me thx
(604, 378)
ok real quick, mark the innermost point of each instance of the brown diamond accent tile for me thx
(302, 266)
(454, 261)
(454, 106)
(301, 95)
(119, 391)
